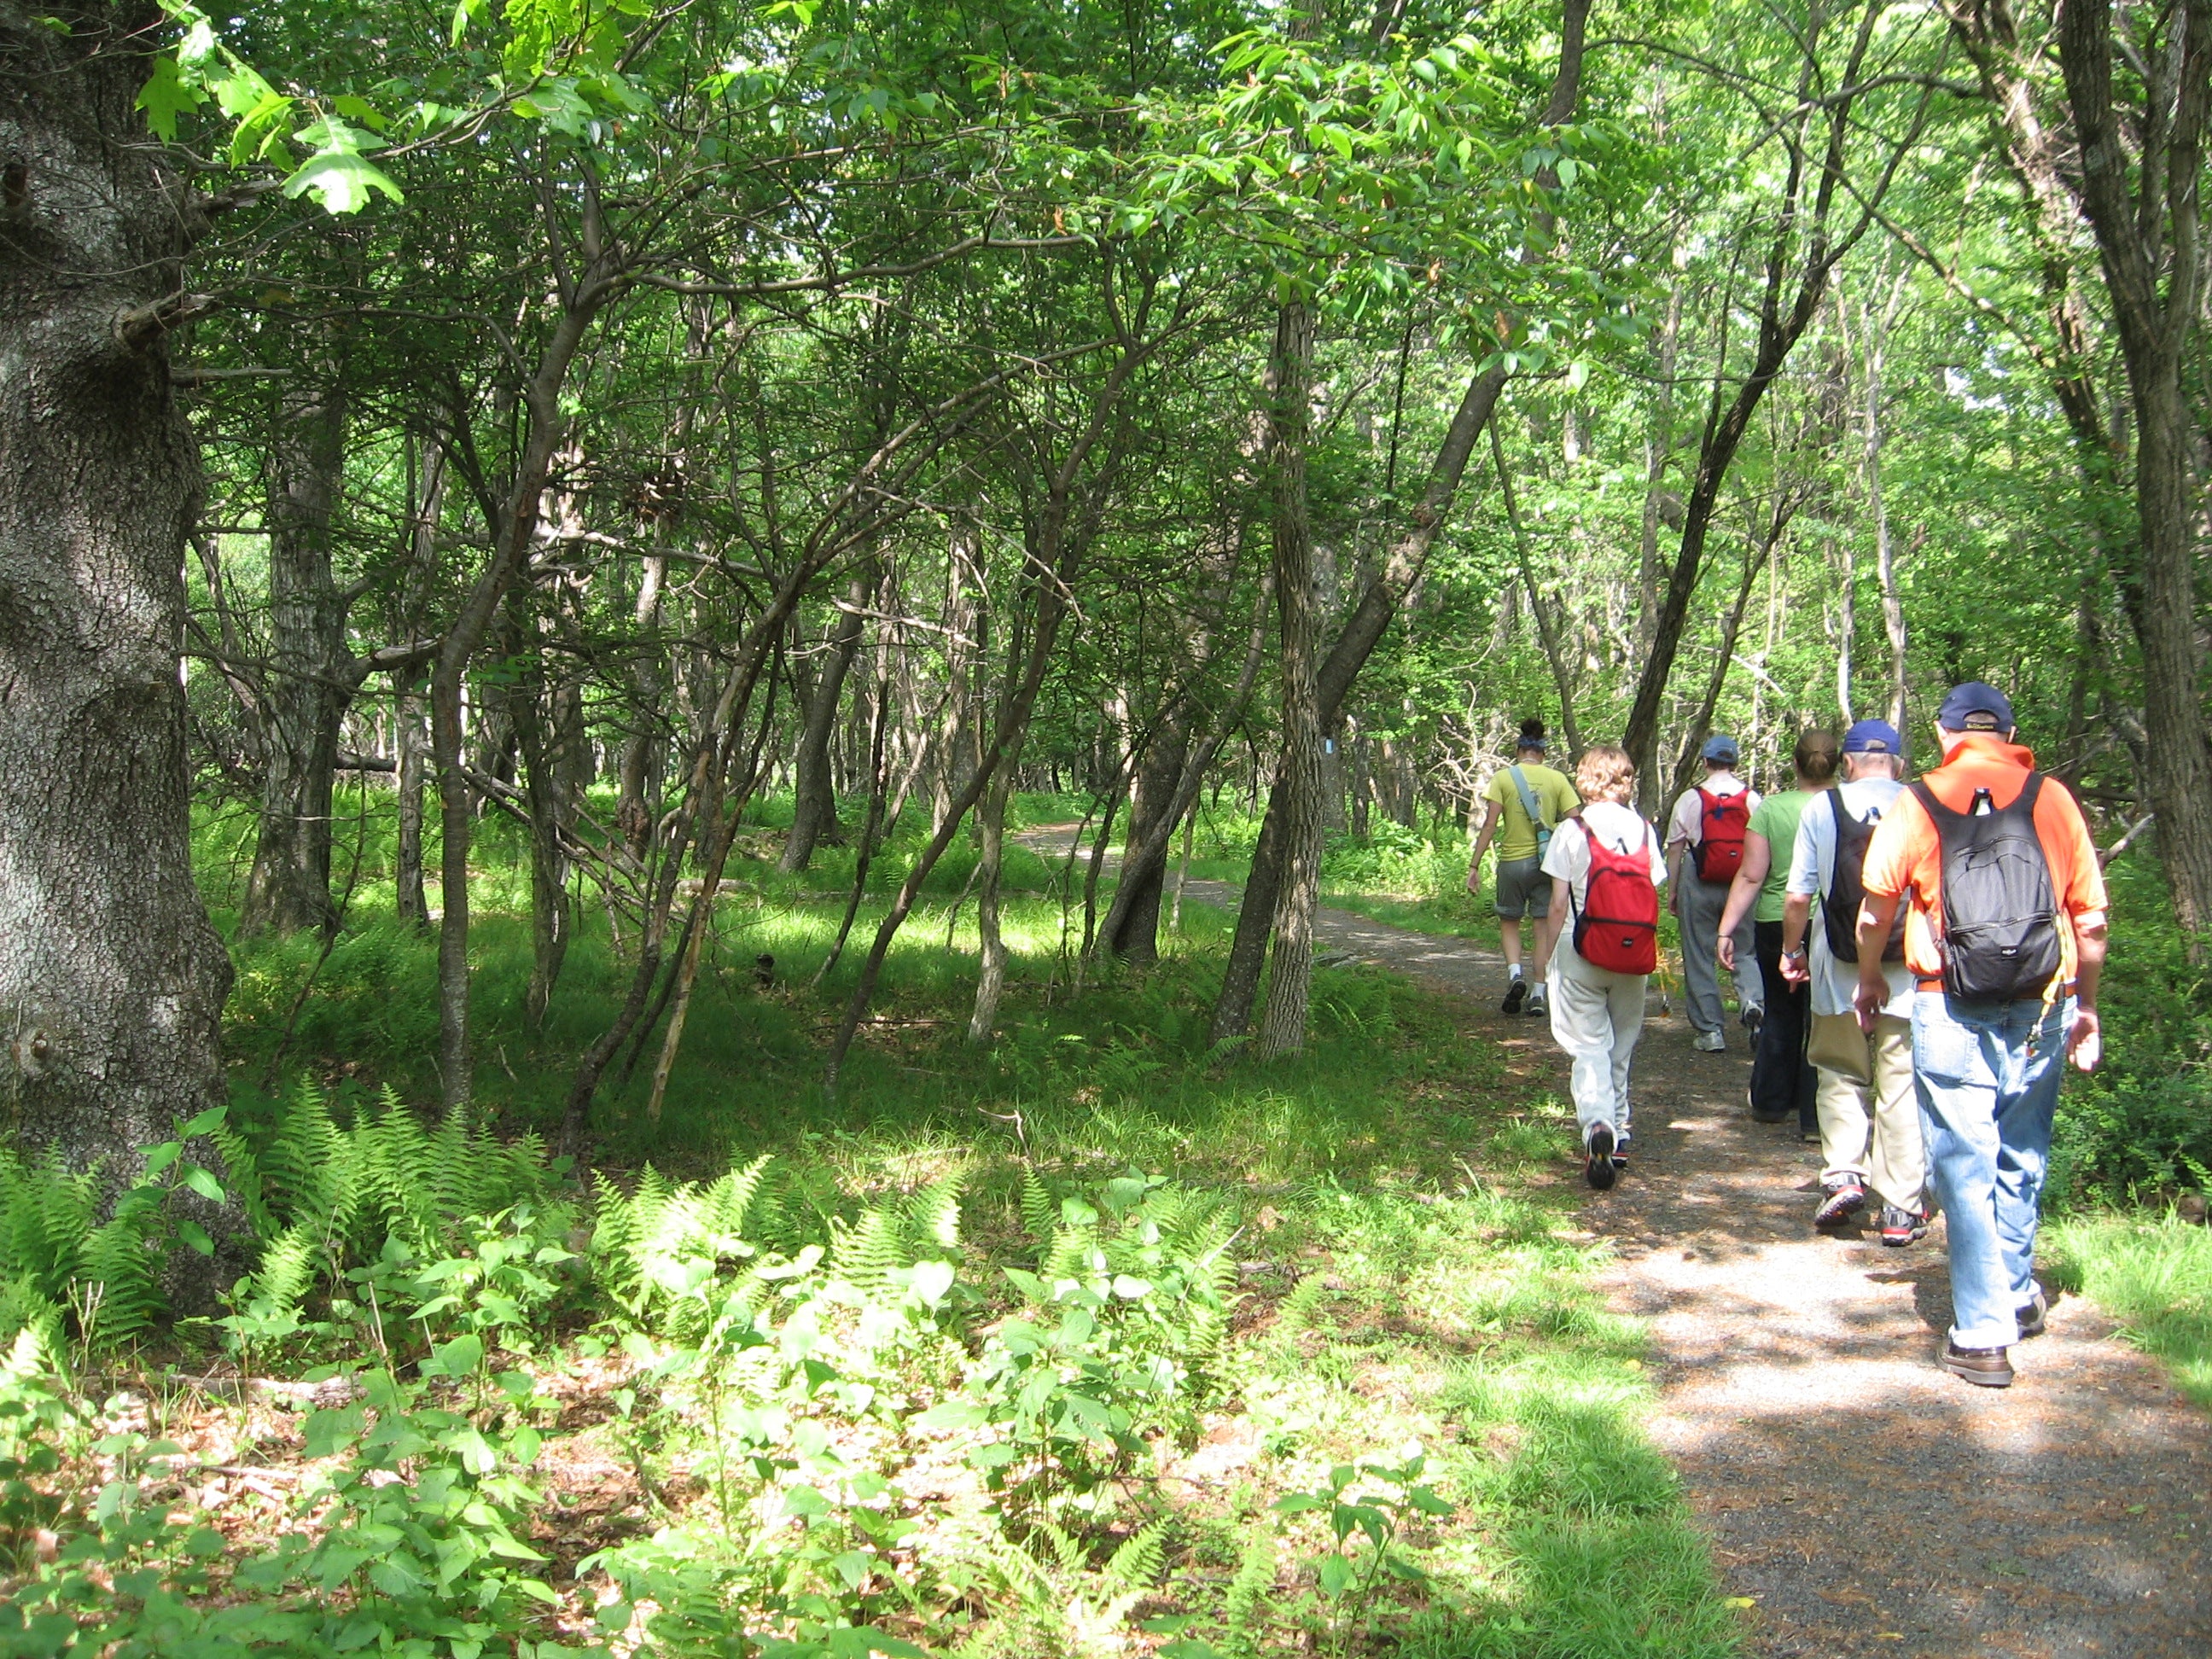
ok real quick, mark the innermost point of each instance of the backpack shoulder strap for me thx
(1528, 802)
(1935, 809)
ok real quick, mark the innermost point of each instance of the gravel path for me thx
(1864, 1500)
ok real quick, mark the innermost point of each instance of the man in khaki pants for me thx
(1870, 1132)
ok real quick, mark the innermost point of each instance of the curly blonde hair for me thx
(1606, 772)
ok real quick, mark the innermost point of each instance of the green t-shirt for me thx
(1555, 798)
(1776, 817)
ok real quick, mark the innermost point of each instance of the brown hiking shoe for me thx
(1986, 1368)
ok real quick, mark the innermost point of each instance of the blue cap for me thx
(1872, 738)
(1723, 749)
(1975, 707)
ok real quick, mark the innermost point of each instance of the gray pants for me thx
(1699, 905)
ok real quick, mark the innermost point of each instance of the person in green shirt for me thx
(1526, 801)
(1784, 1084)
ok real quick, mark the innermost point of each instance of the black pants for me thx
(1781, 1081)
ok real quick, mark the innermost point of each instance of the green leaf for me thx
(1335, 1577)
(201, 1182)
(459, 1357)
(341, 181)
(165, 96)
(205, 1123)
(162, 1157)
(195, 1234)
(933, 1281)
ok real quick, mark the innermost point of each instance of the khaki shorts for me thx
(1524, 889)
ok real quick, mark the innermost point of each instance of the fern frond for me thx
(1039, 1210)
(1137, 1563)
(934, 1213)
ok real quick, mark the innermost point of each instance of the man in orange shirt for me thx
(2006, 938)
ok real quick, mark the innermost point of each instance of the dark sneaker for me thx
(1515, 995)
(1620, 1151)
(1845, 1199)
(1540, 1005)
(1754, 1017)
(1901, 1227)
(1597, 1156)
(2031, 1317)
(1986, 1368)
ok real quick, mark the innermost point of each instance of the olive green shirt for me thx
(1555, 798)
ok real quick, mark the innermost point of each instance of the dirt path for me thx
(1867, 1501)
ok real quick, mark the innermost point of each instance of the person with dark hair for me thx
(1528, 800)
(1704, 849)
(1783, 1083)
(2006, 934)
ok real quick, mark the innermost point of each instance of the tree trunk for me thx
(1378, 603)
(309, 681)
(112, 980)
(1299, 775)
(814, 802)
(545, 800)
(639, 788)
(2148, 240)
(512, 534)
(1132, 921)
(412, 739)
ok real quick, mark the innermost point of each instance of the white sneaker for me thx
(1710, 1042)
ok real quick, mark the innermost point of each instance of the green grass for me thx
(1406, 1276)
(2155, 1276)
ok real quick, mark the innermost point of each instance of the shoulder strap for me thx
(1935, 809)
(1528, 802)
(1835, 811)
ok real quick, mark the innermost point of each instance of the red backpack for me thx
(1721, 820)
(1617, 925)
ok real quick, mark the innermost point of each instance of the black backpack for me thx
(1840, 908)
(2000, 916)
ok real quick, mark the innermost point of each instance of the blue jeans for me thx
(1987, 1075)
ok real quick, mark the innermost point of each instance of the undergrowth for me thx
(1085, 1343)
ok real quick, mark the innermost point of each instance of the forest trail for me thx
(1863, 1498)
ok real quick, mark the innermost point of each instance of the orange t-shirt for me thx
(1906, 851)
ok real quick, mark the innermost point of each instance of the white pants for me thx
(1882, 1119)
(1596, 1016)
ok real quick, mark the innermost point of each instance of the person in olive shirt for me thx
(1784, 1084)
(1521, 836)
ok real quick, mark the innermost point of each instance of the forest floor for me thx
(1852, 1491)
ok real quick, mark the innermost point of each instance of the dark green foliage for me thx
(2140, 1130)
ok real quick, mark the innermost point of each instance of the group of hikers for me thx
(1913, 962)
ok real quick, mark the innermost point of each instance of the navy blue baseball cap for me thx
(1872, 738)
(1723, 749)
(1975, 707)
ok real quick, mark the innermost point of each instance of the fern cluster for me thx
(61, 1262)
(323, 1195)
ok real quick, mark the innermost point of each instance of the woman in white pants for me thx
(1597, 1011)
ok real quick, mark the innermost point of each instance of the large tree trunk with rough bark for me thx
(308, 684)
(2149, 234)
(112, 980)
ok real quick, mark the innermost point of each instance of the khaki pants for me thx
(1886, 1113)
